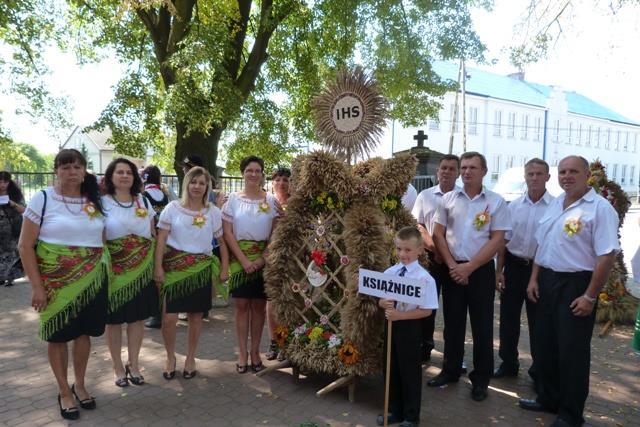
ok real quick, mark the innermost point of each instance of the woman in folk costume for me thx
(184, 264)
(248, 218)
(11, 210)
(133, 296)
(61, 247)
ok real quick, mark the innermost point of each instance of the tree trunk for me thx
(202, 144)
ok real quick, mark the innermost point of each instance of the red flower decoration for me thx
(319, 258)
(326, 335)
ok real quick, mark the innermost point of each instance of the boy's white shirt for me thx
(414, 271)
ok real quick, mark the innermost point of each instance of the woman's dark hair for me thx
(250, 159)
(151, 175)
(13, 191)
(136, 187)
(89, 187)
(281, 172)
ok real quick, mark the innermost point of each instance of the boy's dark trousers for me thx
(405, 382)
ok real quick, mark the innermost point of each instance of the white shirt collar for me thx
(440, 191)
(588, 197)
(460, 190)
(410, 267)
(546, 198)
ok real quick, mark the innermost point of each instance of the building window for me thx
(623, 174)
(524, 134)
(625, 147)
(635, 143)
(570, 133)
(614, 172)
(617, 146)
(496, 168)
(537, 129)
(523, 160)
(434, 124)
(579, 136)
(497, 123)
(473, 121)
(511, 126)
(556, 131)
(510, 161)
(587, 141)
(632, 175)
(607, 139)
(596, 142)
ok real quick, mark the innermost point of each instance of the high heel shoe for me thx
(187, 375)
(139, 380)
(172, 374)
(88, 403)
(68, 413)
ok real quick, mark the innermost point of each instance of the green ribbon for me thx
(132, 267)
(185, 272)
(71, 276)
(252, 250)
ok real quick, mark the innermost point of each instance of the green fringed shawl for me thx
(185, 272)
(71, 276)
(132, 267)
(253, 250)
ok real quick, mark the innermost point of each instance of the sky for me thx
(596, 56)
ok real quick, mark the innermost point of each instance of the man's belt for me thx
(519, 260)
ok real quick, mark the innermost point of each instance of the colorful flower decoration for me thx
(319, 258)
(348, 354)
(482, 218)
(572, 226)
(334, 341)
(264, 207)
(390, 204)
(295, 287)
(320, 230)
(344, 260)
(199, 220)
(91, 210)
(315, 333)
(281, 335)
(141, 212)
(308, 303)
(326, 201)
(300, 330)
(324, 319)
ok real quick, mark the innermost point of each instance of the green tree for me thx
(202, 70)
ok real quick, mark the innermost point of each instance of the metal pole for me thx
(454, 114)
(464, 109)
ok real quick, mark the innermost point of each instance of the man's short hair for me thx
(471, 155)
(584, 161)
(449, 157)
(537, 161)
(409, 232)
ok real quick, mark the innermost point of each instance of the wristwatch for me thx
(588, 298)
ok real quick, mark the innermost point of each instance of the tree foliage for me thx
(244, 71)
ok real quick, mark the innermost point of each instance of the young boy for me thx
(406, 339)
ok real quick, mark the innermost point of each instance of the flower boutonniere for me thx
(482, 218)
(91, 210)
(264, 207)
(199, 220)
(141, 212)
(572, 226)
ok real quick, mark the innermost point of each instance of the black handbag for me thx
(16, 225)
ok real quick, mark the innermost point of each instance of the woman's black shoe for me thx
(187, 375)
(257, 367)
(170, 375)
(89, 403)
(68, 413)
(135, 380)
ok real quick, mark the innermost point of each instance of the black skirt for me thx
(197, 301)
(250, 290)
(141, 307)
(90, 320)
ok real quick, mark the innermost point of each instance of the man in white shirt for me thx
(577, 244)
(424, 211)
(469, 229)
(409, 197)
(517, 259)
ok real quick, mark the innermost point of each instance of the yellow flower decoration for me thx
(263, 207)
(481, 219)
(572, 226)
(316, 333)
(141, 212)
(348, 354)
(199, 220)
(91, 210)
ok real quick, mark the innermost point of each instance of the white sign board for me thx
(347, 113)
(401, 289)
(4, 200)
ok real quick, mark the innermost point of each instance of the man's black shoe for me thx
(463, 369)
(440, 380)
(408, 424)
(559, 422)
(504, 371)
(478, 393)
(391, 419)
(153, 322)
(534, 405)
(426, 357)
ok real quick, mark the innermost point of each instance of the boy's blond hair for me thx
(409, 232)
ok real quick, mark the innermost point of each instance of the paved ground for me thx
(220, 397)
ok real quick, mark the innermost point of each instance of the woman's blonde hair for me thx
(195, 172)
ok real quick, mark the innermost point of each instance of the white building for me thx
(98, 153)
(511, 120)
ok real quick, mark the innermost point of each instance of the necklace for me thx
(121, 205)
(64, 201)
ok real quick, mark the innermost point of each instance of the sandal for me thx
(139, 380)
(68, 413)
(171, 374)
(187, 375)
(242, 369)
(273, 351)
(122, 382)
(257, 367)
(281, 356)
(88, 403)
